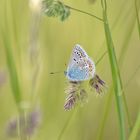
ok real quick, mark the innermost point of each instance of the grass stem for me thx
(137, 16)
(117, 83)
(84, 12)
(135, 129)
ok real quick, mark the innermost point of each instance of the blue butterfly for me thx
(80, 67)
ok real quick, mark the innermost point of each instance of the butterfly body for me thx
(80, 67)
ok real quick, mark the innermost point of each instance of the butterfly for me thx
(80, 67)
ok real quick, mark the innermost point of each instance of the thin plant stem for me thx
(135, 129)
(123, 51)
(108, 105)
(106, 112)
(100, 133)
(13, 74)
(71, 116)
(102, 56)
(34, 53)
(132, 76)
(14, 80)
(130, 79)
(117, 83)
(22, 125)
(110, 96)
(126, 42)
(137, 16)
(66, 125)
(81, 11)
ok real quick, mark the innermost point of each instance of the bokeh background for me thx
(42, 44)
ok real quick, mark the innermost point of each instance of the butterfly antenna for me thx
(65, 64)
(56, 72)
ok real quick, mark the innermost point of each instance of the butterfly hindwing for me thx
(77, 71)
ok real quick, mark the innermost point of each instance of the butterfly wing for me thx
(83, 70)
(77, 54)
(91, 67)
(80, 67)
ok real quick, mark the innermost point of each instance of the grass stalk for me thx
(34, 53)
(102, 56)
(137, 16)
(122, 55)
(105, 114)
(71, 116)
(117, 83)
(13, 74)
(12, 71)
(107, 105)
(11, 64)
(135, 129)
(66, 124)
(132, 76)
(22, 124)
(125, 45)
(84, 12)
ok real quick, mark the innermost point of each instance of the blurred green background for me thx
(42, 44)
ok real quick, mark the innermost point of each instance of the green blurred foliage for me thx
(53, 43)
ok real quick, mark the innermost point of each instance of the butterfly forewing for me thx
(78, 72)
(76, 55)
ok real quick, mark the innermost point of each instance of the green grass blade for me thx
(135, 129)
(66, 124)
(108, 105)
(12, 70)
(116, 81)
(11, 63)
(130, 29)
(105, 114)
(124, 49)
(102, 56)
(125, 45)
(132, 76)
(137, 16)
(115, 72)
